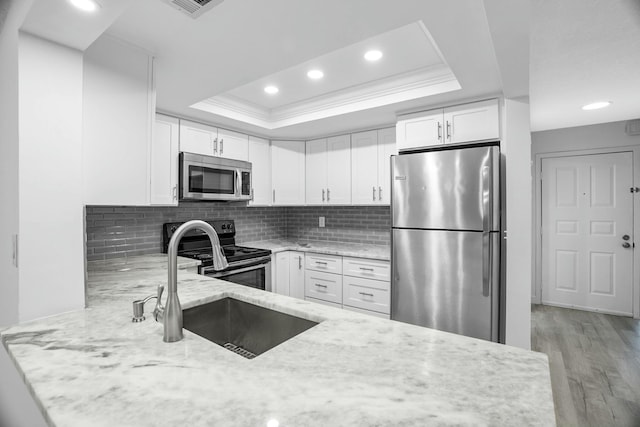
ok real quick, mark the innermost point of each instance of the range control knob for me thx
(224, 226)
(173, 229)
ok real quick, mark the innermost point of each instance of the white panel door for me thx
(232, 145)
(164, 161)
(281, 285)
(386, 148)
(364, 168)
(287, 172)
(316, 172)
(472, 122)
(587, 232)
(296, 274)
(423, 131)
(339, 170)
(197, 138)
(260, 158)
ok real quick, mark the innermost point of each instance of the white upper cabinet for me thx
(118, 119)
(164, 161)
(472, 122)
(197, 138)
(208, 140)
(232, 145)
(370, 166)
(288, 172)
(260, 158)
(328, 171)
(478, 121)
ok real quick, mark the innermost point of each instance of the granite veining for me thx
(95, 367)
(356, 250)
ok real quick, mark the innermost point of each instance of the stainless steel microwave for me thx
(214, 178)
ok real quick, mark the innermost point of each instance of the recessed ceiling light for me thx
(271, 90)
(373, 55)
(86, 5)
(315, 74)
(596, 105)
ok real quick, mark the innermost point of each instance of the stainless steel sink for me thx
(245, 329)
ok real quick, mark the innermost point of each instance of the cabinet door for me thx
(164, 161)
(339, 170)
(260, 158)
(422, 131)
(296, 274)
(316, 172)
(281, 285)
(287, 172)
(386, 148)
(232, 145)
(197, 138)
(472, 122)
(364, 168)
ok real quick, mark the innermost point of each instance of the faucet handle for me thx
(158, 312)
(138, 309)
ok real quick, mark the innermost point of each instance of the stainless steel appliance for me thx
(446, 240)
(214, 178)
(247, 266)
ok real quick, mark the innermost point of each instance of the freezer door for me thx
(449, 189)
(446, 280)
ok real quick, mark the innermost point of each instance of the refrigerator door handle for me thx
(487, 260)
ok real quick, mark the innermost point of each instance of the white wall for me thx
(516, 146)
(582, 138)
(50, 175)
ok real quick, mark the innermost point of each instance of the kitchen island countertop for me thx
(95, 367)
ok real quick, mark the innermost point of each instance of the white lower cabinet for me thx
(323, 286)
(289, 274)
(366, 294)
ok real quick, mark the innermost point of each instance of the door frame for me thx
(536, 291)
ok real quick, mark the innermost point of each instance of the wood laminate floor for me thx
(595, 365)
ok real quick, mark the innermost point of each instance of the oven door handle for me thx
(238, 267)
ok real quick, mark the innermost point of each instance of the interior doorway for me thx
(587, 232)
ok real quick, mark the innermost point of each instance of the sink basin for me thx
(246, 329)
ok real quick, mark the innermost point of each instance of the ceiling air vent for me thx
(193, 8)
(633, 127)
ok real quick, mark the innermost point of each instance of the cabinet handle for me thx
(365, 294)
(328, 195)
(274, 195)
(366, 268)
(299, 263)
(175, 192)
(323, 194)
(252, 194)
(221, 146)
(321, 262)
(448, 131)
(379, 193)
(374, 194)
(321, 286)
(439, 131)
(215, 146)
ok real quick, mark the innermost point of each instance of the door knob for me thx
(626, 245)
(625, 237)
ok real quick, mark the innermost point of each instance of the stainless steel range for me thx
(247, 266)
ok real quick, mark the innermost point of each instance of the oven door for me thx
(252, 273)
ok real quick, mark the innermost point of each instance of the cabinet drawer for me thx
(367, 312)
(367, 268)
(324, 286)
(366, 294)
(328, 263)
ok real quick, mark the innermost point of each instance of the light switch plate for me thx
(321, 221)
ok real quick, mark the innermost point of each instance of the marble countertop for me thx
(356, 250)
(95, 367)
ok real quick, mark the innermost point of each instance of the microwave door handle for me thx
(238, 184)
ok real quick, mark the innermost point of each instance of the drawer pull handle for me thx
(365, 294)
(321, 286)
(321, 262)
(366, 268)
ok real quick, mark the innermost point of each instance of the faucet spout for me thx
(172, 313)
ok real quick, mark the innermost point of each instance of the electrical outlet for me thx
(321, 221)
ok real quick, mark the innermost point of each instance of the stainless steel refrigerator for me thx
(445, 259)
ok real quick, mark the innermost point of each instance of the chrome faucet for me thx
(172, 314)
